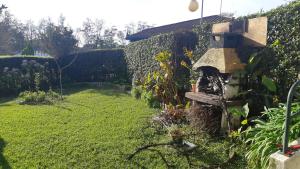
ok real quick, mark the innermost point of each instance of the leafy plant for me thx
(266, 134)
(257, 84)
(193, 74)
(38, 97)
(240, 111)
(268, 83)
(136, 92)
(150, 99)
(162, 84)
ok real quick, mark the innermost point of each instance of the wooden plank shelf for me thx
(210, 99)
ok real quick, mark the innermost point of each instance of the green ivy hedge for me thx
(203, 32)
(16, 61)
(284, 45)
(96, 65)
(140, 54)
(280, 59)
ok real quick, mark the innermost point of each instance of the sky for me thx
(121, 12)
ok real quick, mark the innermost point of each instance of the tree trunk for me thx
(60, 85)
(60, 71)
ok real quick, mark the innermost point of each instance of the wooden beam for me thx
(204, 98)
(210, 99)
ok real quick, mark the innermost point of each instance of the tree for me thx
(2, 7)
(133, 28)
(12, 37)
(142, 26)
(30, 31)
(28, 50)
(97, 36)
(58, 41)
(121, 38)
(109, 37)
(92, 33)
(227, 14)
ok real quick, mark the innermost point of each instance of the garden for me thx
(138, 105)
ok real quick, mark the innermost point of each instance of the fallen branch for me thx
(162, 157)
(173, 145)
(147, 147)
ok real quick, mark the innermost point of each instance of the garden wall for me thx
(96, 66)
(16, 61)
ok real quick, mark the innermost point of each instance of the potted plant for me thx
(193, 85)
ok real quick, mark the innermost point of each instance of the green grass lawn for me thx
(91, 128)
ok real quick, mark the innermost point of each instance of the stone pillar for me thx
(280, 161)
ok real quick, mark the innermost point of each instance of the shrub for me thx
(38, 97)
(136, 92)
(150, 99)
(30, 76)
(163, 83)
(266, 134)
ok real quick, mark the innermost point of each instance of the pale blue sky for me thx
(121, 12)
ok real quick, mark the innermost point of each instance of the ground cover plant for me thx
(38, 97)
(92, 128)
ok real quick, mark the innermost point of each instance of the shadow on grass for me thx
(205, 156)
(105, 89)
(4, 100)
(62, 107)
(74, 103)
(3, 162)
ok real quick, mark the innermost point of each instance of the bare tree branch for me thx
(72, 61)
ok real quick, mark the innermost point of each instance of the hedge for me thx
(281, 56)
(140, 54)
(96, 66)
(19, 73)
(284, 45)
(16, 61)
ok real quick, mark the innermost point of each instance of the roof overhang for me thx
(226, 60)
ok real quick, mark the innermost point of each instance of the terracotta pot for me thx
(193, 87)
